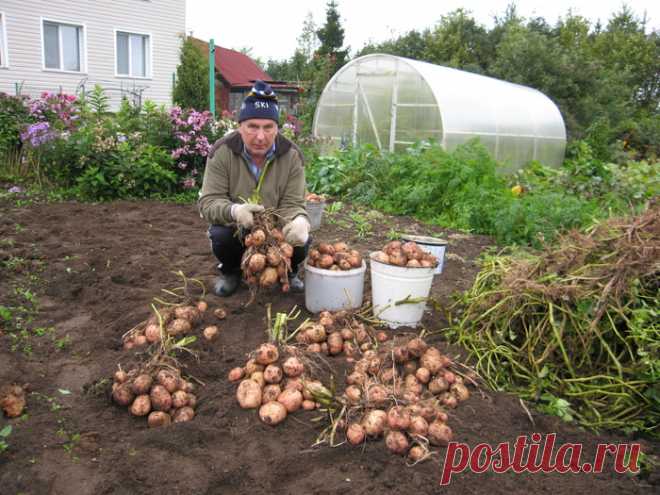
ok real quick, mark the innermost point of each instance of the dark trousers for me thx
(228, 247)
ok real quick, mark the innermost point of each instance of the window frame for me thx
(82, 45)
(4, 48)
(148, 54)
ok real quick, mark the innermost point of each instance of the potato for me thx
(140, 340)
(268, 277)
(293, 367)
(327, 249)
(273, 374)
(397, 442)
(291, 399)
(431, 359)
(316, 348)
(413, 264)
(192, 400)
(349, 349)
(266, 354)
(398, 418)
(258, 237)
(460, 391)
(335, 343)
(324, 348)
(347, 334)
(248, 394)
(121, 376)
(353, 394)
(152, 333)
(190, 313)
(210, 332)
(374, 422)
(272, 413)
(355, 434)
(158, 418)
(309, 405)
(161, 400)
(392, 245)
(202, 306)
(294, 383)
(220, 313)
(377, 395)
(423, 375)
(315, 334)
(450, 401)
(411, 384)
(273, 256)
(286, 249)
(251, 366)
(426, 264)
(178, 326)
(439, 433)
(271, 392)
(258, 377)
(418, 454)
(416, 347)
(312, 388)
(13, 403)
(168, 380)
(356, 378)
(236, 374)
(387, 375)
(397, 258)
(257, 263)
(418, 426)
(438, 385)
(141, 405)
(142, 384)
(326, 261)
(179, 399)
(184, 414)
(123, 394)
(381, 257)
(400, 354)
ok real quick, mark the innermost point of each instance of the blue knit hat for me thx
(260, 103)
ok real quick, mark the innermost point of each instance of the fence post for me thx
(212, 77)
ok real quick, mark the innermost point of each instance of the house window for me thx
(63, 46)
(3, 41)
(133, 54)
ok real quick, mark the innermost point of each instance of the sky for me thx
(270, 29)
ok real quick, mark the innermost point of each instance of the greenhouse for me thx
(392, 102)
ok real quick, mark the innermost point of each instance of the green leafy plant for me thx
(4, 435)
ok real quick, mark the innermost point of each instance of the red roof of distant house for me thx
(238, 69)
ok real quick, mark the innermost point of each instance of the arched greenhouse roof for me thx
(393, 101)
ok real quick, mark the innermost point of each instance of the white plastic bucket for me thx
(393, 284)
(433, 245)
(315, 213)
(327, 290)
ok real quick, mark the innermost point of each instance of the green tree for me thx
(458, 41)
(331, 36)
(191, 88)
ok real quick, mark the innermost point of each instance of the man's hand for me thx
(296, 232)
(244, 214)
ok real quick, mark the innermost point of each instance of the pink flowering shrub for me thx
(194, 134)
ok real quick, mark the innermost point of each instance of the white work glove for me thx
(296, 232)
(244, 214)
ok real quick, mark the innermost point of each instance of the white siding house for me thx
(129, 47)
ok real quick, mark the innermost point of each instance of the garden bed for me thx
(92, 270)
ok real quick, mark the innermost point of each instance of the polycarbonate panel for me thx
(515, 123)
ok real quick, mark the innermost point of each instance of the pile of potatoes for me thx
(403, 392)
(267, 259)
(337, 256)
(338, 333)
(12, 400)
(275, 384)
(177, 321)
(407, 254)
(160, 394)
(314, 198)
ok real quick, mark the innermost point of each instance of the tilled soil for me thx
(93, 270)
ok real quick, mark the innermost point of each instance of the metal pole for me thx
(173, 85)
(212, 77)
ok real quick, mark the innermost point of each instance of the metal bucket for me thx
(315, 213)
